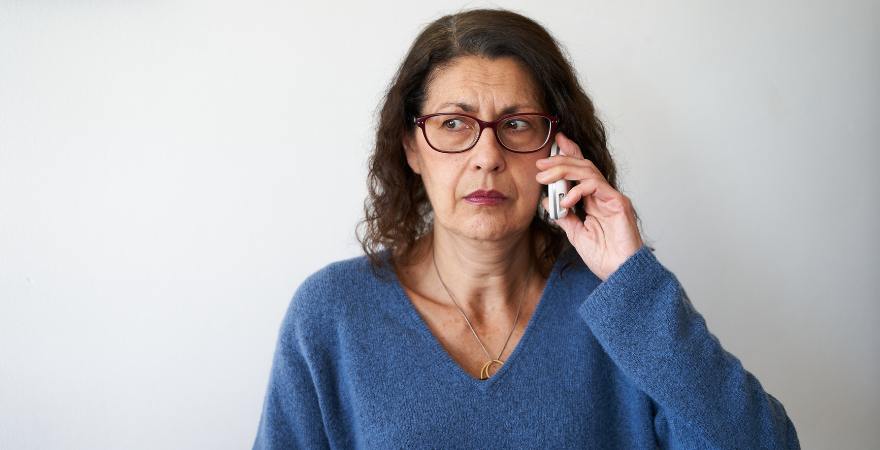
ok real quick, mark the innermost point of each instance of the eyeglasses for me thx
(456, 133)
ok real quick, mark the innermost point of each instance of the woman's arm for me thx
(645, 322)
(705, 398)
(291, 416)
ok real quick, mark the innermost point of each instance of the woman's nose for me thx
(488, 154)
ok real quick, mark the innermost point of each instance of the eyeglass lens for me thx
(452, 133)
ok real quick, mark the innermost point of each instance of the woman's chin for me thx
(488, 227)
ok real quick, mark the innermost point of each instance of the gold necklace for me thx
(484, 372)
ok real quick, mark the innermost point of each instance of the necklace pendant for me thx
(484, 374)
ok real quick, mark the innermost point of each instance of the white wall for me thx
(162, 164)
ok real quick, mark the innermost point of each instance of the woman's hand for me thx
(610, 234)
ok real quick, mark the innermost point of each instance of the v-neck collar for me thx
(455, 370)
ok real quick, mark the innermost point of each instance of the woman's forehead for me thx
(473, 84)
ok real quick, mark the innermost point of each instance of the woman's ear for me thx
(412, 154)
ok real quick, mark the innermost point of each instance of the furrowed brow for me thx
(462, 106)
(517, 108)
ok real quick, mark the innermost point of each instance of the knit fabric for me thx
(626, 363)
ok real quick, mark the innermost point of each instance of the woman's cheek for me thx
(536, 189)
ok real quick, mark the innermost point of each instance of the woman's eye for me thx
(517, 125)
(453, 124)
(456, 124)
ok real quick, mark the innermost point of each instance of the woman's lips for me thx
(486, 198)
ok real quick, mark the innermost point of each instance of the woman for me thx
(475, 321)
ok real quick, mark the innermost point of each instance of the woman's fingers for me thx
(590, 182)
(569, 163)
(575, 159)
(568, 147)
(565, 171)
(599, 197)
(572, 166)
(584, 165)
(574, 228)
(609, 200)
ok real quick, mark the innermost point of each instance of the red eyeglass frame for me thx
(554, 122)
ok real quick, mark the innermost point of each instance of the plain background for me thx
(170, 171)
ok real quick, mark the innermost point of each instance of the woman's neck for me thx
(484, 276)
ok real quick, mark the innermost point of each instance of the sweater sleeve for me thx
(291, 417)
(704, 398)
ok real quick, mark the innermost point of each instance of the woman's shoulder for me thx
(336, 288)
(353, 270)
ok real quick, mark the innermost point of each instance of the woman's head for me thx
(398, 210)
(481, 190)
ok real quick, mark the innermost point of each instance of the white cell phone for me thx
(557, 190)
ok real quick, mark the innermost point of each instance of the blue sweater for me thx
(626, 363)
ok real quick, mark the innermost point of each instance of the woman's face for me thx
(487, 192)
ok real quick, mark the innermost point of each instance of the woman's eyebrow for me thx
(516, 108)
(466, 107)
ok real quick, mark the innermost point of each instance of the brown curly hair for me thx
(398, 211)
